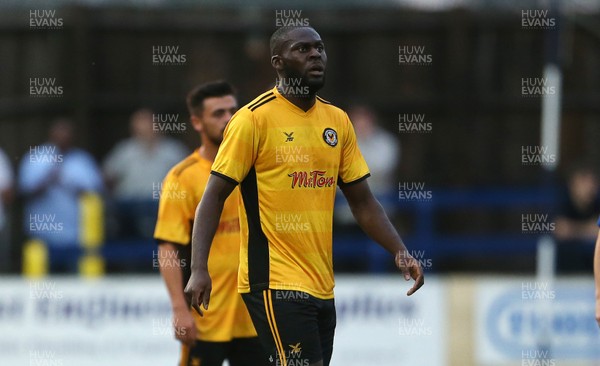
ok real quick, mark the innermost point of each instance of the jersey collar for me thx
(292, 106)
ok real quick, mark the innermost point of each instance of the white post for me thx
(550, 140)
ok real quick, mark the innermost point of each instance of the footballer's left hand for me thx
(411, 268)
(598, 311)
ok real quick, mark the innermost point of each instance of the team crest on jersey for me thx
(330, 137)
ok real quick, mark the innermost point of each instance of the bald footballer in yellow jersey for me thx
(288, 150)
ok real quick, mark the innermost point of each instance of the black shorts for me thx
(295, 328)
(238, 351)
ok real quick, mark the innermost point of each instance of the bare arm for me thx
(170, 269)
(597, 277)
(206, 222)
(373, 220)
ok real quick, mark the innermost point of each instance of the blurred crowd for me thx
(51, 178)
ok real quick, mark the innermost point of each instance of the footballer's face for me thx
(215, 114)
(303, 56)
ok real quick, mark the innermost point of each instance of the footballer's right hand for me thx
(198, 289)
(184, 326)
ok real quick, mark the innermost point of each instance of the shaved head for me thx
(280, 36)
(298, 53)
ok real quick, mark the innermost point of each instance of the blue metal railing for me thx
(425, 236)
(436, 244)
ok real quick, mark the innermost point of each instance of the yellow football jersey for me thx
(288, 163)
(181, 191)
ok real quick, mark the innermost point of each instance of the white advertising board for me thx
(63, 322)
(529, 322)
(127, 321)
(377, 324)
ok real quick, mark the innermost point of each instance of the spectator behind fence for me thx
(6, 195)
(381, 151)
(52, 178)
(380, 148)
(576, 221)
(134, 170)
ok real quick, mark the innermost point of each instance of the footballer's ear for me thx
(276, 62)
(196, 123)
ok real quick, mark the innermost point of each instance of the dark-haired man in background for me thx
(225, 332)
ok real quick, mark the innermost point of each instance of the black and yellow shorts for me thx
(238, 351)
(295, 328)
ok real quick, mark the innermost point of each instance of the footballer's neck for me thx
(304, 102)
(208, 151)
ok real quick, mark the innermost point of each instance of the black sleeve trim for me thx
(229, 179)
(342, 183)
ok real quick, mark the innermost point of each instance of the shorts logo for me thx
(330, 137)
(296, 348)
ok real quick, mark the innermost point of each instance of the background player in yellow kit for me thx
(286, 271)
(227, 331)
